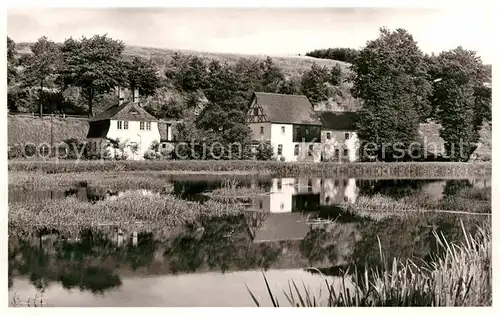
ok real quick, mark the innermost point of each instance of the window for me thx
(280, 149)
(125, 124)
(282, 130)
(141, 126)
(346, 152)
(336, 182)
(327, 199)
(337, 152)
(328, 135)
(163, 146)
(280, 185)
(148, 126)
(260, 204)
(256, 112)
(346, 199)
(296, 150)
(119, 125)
(311, 148)
(262, 129)
(346, 135)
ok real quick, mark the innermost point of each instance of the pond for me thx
(295, 225)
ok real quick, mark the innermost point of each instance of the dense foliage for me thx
(392, 84)
(461, 99)
(391, 80)
(341, 54)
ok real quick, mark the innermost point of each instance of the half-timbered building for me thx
(289, 123)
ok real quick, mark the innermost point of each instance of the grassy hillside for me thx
(23, 129)
(291, 65)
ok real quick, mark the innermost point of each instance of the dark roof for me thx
(341, 121)
(98, 129)
(288, 109)
(130, 111)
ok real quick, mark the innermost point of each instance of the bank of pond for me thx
(206, 242)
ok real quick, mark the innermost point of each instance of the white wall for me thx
(351, 191)
(284, 139)
(280, 199)
(143, 138)
(338, 141)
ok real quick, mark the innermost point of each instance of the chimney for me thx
(120, 96)
(135, 97)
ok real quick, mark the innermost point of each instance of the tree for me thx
(392, 80)
(482, 105)
(11, 53)
(290, 86)
(341, 54)
(313, 83)
(94, 65)
(142, 74)
(272, 75)
(43, 66)
(336, 75)
(458, 77)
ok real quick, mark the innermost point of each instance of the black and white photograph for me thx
(249, 156)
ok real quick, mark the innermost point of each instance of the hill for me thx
(292, 66)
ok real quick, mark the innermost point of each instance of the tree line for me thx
(402, 87)
(79, 76)
(398, 86)
(340, 53)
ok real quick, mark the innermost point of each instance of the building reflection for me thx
(294, 206)
(306, 194)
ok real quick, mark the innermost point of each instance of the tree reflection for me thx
(226, 244)
(84, 263)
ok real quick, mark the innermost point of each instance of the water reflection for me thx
(289, 232)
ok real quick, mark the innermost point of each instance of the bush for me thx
(264, 151)
(150, 155)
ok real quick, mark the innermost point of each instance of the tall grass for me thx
(378, 206)
(231, 191)
(427, 170)
(134, 211)
(36, 301)
(459, 276)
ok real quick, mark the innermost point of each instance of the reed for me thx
(378, 207)
(36, 301)
(436, 170)
(133, 210)
(459, 276)
(232, 192)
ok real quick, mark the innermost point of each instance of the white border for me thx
(224, 3)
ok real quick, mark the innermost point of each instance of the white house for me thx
(339, 138)
(289, 123)
(127, 122)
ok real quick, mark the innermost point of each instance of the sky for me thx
(276, 32)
